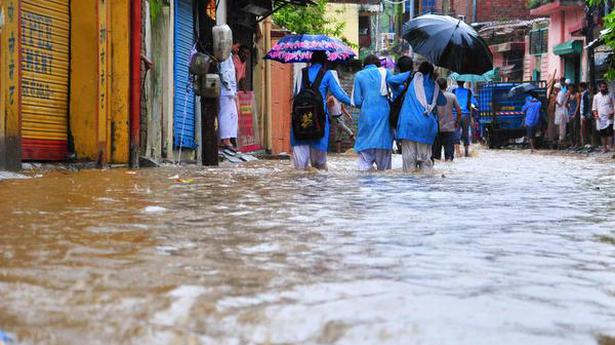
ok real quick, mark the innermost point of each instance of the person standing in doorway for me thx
(241, 54)
(374, 142)
(531, 110)
(603, 109)
(449, 122)
(466, 102)
(314, 152)
(418, 126)
(585, 114)
(228, 116)
(561, 113)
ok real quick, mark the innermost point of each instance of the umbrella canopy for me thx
(521, 89)
(475, 78)
(450, 43)
(299, 48)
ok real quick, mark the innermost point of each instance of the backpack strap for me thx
(319, 78)
(305, 78)
(406, 85)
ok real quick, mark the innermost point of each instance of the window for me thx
(539, 41)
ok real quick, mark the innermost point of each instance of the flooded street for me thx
(504, 248)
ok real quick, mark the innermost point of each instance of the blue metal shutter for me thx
(183, 102)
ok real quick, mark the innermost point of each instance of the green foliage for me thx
(537, 3)
(155, 8)
(609, 38)
(313, 19)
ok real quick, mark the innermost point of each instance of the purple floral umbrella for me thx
(299, 48)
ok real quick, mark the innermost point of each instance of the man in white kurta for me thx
(228, 118)
(561, 111)
(603, 108)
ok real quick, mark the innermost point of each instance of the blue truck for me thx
(501, 118)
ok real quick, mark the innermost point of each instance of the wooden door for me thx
(281, 99)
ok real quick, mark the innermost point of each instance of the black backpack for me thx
(398, 103)
(308, 117)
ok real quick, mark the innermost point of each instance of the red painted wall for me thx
(487, 10)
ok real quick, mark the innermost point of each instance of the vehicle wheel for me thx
(489, 138)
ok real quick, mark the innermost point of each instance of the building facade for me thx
(65, 81)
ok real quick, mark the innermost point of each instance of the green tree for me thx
(312, 19)
(609, 36)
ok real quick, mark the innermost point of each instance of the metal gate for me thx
(183, 103)
(45, 51)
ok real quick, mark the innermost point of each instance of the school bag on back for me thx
(309, 117)
(398, 103)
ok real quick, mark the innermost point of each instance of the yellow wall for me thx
(100, 72)
(349, 14)
(84, 71)
(2, 85)
(120, 80)
(11, 88)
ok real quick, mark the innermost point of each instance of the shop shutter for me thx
(183, 107)
(45, 42)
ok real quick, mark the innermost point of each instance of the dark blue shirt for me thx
(532, 112)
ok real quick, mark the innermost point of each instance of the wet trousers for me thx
(416, 155)
(380, 157)
(444, 140)
(562, 131)
(304, 155)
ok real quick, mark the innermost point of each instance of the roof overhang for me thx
(507, 47)
(572, 47)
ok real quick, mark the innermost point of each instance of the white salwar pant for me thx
(416, 155)
(303, 155)
(380, 157)
(228, 119)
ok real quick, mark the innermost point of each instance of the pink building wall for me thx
(560, 30)
(562, 25)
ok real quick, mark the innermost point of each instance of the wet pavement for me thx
(503, 248)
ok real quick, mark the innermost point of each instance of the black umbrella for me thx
(450, 43)
(521, 89)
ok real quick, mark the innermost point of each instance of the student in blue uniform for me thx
(314, 152)
(374, 141)
(418, 126)
(531, 109)
(466, 101)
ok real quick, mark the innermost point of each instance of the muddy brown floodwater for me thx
(503, 248)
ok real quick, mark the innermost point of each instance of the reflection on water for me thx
(506, 248)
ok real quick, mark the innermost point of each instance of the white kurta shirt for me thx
(604, 105)
(227, 76)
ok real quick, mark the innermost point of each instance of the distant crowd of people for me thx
(430, 119)
(577, 116)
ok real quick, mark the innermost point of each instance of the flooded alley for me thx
(502, 248)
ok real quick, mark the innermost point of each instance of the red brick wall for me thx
(491, 10)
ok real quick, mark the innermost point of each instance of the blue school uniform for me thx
(414, 124)
(374, 129)
(328, 84)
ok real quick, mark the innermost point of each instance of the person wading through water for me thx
(466, 101)
(314, 151)
(375, 136)
(418, 126)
